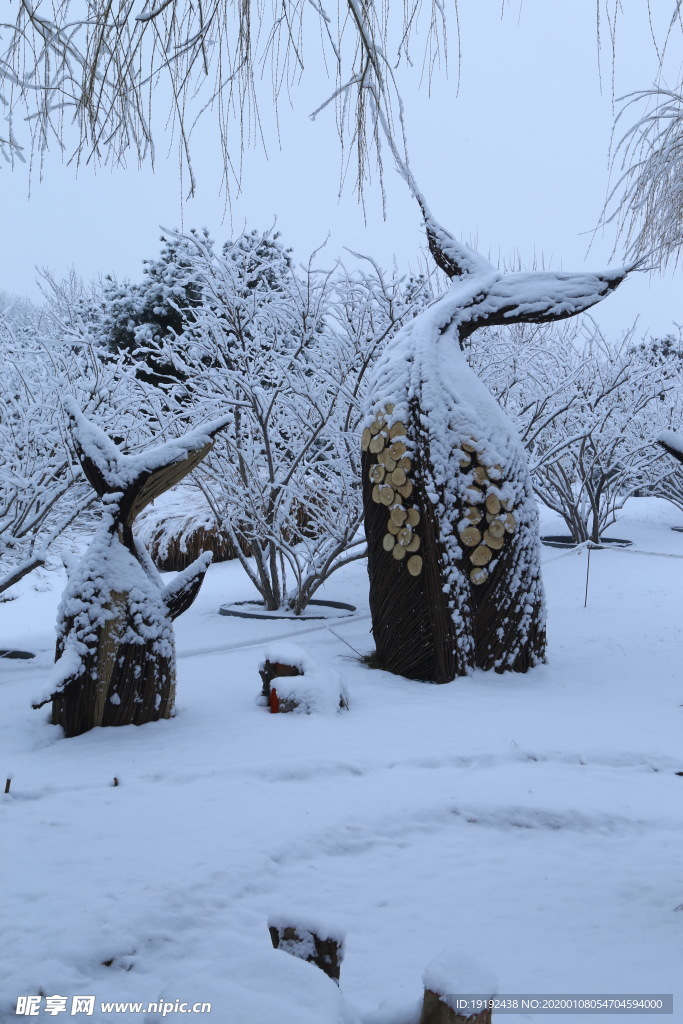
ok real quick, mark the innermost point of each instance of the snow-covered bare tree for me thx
(115, 648)
(42, 490)
(589, 459)
(587, 411)
(293, 346)
(450, 514)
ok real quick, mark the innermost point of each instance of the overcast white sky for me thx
(516, 161)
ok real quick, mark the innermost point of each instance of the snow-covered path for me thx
(533, 819)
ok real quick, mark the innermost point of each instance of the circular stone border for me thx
(258, 612)
(567, 542)
(22, 655)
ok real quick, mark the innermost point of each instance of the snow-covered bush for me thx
(588, 411)
(289, 348)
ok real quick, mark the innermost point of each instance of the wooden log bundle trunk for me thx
(115, 649)
(450, 514)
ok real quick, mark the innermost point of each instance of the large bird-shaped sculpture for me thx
(115, 646)
(450, 515)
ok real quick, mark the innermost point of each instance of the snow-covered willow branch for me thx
(647, 199)
(99, 67)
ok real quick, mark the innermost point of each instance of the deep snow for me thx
(533, 820)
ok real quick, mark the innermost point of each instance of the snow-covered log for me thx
(115, 647)
(450, 515)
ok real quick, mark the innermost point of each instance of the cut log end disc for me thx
(406, 489)
(404, 536)
(398, 515)
(404, 464)
(413, 516)
(480, 475)
(510, 523)
(479, 576)
(467, 447)
(495, 472)
(496, 528)
(492, 504)
(388, 542)
(399, 552)
(397, 449)
(398, 476)
(375, 495)
(465, 461)
(470, 536)
(493, 542)
(415, 565)
(481, 555)
(390, 408)
(376, 427)
(393, 528)
(377, 474)
(386, 494)
(366, 437)
(414, 544)
(507, 504)
(398, 430)
(474, 515)
(376, 444)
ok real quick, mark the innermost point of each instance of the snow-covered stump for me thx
(310, 942)
(450, 515)
(453, 981)
(295, 681)
(115, 647)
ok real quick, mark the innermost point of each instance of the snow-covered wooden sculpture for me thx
(672, 443)
(450, 517)
(115, 647)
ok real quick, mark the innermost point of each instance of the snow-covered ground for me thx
(532, 820)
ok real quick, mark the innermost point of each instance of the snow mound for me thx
(263, 988)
